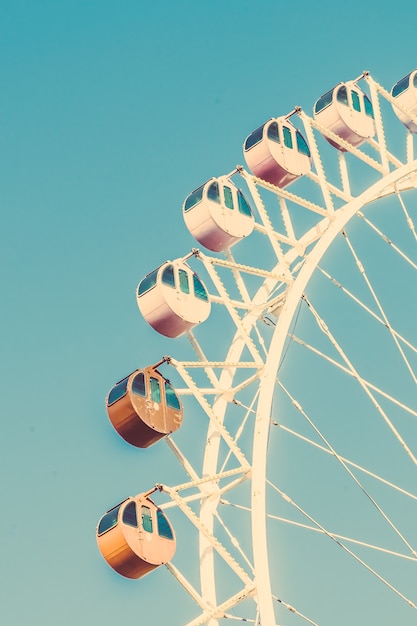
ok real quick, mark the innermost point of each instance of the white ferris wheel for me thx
(291, 404)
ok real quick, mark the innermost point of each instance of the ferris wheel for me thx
(287, 399)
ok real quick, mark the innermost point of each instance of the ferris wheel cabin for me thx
(277, 152)
(172, 299)
(405, 93)
(143, 407)
(217, 214)
(346, 111)
(135, 537)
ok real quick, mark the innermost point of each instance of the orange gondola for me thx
(144, 408)
(135, 537)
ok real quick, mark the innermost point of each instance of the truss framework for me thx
(261, 303)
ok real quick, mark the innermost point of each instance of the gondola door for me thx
(156, 404)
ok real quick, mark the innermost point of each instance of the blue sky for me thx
(111, 113)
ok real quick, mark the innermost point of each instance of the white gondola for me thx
(172, 299)
(277, 152)
(346, 111)
(217, 214)
(405, 93)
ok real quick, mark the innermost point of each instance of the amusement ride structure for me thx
(288, 397)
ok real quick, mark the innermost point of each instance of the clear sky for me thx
(111, 113)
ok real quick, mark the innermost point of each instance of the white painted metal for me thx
(267, 385)
(328, 230)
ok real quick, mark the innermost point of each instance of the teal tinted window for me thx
(148, 282)
(324, 101)
(129, 516)
(228, 197)
(356, 103)
(146, 519)
(273, 132)
(194, 198)
(254, 138)
(138, 385)
(242, 204)
(109, 520)
(302, 146)
(199, 289)
(342, 95)
(213, 192)
(287, 136)
(168, 277)
(118, 391)
(401, 86)
(171, 397)
(368, 107)
(184, 285)
(155, 390)
(164, 527)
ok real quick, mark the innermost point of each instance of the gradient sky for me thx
(111, 113)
